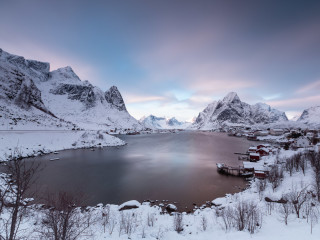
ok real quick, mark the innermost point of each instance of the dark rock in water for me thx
(171, 208)
(129, 205)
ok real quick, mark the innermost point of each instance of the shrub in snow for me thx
(284, 210)
(64, 220)
(261, 185)
(171, 208)
(204, 223)
(151, 219)
(275, 176)
(127, 223)
(297, 198)
(105, 218)
(242, 216)
(178, 222)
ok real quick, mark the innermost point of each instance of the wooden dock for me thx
(234, 171)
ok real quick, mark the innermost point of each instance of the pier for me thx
(234, 171)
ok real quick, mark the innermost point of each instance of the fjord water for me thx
(176, 167)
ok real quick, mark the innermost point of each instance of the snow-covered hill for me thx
(310, 116)
(154, 122)
(232, 111)
(33, 97)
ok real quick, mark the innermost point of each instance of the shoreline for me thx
(272, 227)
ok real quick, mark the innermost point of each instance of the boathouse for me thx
(254, 157)
(252, 149)
(263, 151)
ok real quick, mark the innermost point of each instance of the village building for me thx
(261, 133)
(310, 135)
(276, 132)
(263, 145)
(254, 157)
(261, 174)
(301, 142)
(252, 149)
(263, 151)
(252, 137)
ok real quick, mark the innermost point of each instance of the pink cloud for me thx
(296, 103)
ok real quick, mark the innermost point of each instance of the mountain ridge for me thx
(232, 111)
(61, 94)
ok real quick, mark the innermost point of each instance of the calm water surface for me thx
(176, 167)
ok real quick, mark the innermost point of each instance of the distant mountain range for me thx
(232, 111)
(154, 122)
(32, 97)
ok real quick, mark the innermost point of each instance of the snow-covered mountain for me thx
(232, 111)
(31, 95)
(154, 122)
(310, 116)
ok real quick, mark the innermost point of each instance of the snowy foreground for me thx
(33, 143)
(265, 220)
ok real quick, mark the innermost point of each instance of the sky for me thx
(174, 57)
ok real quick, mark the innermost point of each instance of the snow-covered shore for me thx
(32, 143)
(150, 222)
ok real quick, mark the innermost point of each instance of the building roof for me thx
(254, 154)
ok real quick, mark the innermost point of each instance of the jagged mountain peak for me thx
(113, 96)
(65, 73)
(20, 61)
(231, 97)
(231, 110)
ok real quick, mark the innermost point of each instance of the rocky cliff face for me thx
(17, 85)
(61, 94)
(114, 97)
(231, 110)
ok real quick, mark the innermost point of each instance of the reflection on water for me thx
(176, 167)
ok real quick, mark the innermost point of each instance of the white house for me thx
(310, 134)
(276, 132)
(252, 149)
(302, 142)
(261, 133)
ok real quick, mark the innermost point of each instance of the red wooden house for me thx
(254, 157)
(263, 151)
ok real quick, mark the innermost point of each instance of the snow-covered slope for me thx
(232, 111)
(60, 95)
(310, 116)
(154, 122)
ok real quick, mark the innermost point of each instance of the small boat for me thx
(55, 152)
(54, 159)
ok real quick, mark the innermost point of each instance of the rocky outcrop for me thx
(114, 97)
(17, 85)
(82, 93)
